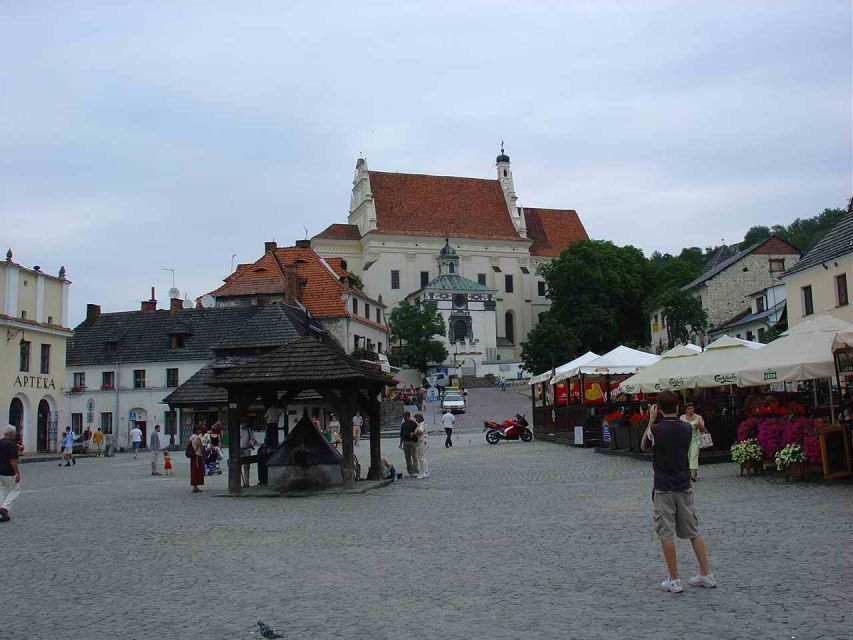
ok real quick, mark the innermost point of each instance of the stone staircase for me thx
(473, 382)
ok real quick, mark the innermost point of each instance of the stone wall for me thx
(727, 293)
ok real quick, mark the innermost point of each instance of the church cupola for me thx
(448, 259)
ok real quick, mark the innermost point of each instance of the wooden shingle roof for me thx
(303, 363)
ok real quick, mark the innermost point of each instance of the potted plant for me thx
(637, 423)
(749, 455)
(618, 430)
(792, 460)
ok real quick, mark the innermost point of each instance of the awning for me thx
(717, 366)
(589, 356)
(669, 365)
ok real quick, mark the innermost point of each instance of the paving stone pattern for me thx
(504, 542)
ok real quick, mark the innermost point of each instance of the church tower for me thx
(505, 178)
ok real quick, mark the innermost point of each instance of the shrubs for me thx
(747, 450)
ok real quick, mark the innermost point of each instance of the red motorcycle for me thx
(509, 430)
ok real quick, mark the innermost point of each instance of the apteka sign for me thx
(34, 382)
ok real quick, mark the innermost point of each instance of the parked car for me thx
(453, 401)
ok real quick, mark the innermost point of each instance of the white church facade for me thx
(397, 227)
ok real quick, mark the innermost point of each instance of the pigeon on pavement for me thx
(267, 631)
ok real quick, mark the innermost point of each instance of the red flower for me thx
(616, 416)
(637, 418)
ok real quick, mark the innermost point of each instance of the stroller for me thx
(213, 456)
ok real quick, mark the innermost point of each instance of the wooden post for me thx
(348, 401)
(234, 415)
(373, 410)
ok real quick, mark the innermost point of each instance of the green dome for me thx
(447, 251)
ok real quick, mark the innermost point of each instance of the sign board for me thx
(90, 405)
(432, 394)
(578, 435)
(132, 416)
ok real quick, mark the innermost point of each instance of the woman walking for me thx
(197, 460)
(422, 446)
(695, 420)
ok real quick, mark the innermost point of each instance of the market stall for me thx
(546, 398)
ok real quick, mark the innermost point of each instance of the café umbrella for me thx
(577, 362)
(672, 362)
(717, 366)
(803, 352)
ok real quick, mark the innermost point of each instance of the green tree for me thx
(597, 290)
(803, 233)
(770, 335)
(549, 343)
(683, 314)
(675, 273)
(413, 329)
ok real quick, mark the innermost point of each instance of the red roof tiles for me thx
(553, 230)
(324, 292)
(414, 204)
(340, 232)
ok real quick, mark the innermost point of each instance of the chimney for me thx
(92, 311)
(269, 247)
(174, 305)
(150, 305)
(303, 244)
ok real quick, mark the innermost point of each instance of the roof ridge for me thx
(433, 175)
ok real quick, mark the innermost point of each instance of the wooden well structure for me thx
(342, 381)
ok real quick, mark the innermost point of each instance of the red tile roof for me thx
(323, 295)
(414, 204)
(340, 232)
(553, 230)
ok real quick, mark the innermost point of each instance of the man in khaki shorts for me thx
(672, 497)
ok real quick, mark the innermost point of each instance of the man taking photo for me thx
(672, 497)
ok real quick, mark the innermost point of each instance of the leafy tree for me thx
(694, 256)
(675, 273)
(770, 335)
(803, 233)
(413, 328)
(597, 290)
(683, 313)
(550, 343)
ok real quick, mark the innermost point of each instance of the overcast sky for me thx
(177, 134)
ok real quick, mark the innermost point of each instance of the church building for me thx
(400, 225)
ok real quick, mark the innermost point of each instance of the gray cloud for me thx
(149, 135)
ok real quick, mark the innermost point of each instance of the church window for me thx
(504, 173)
(460, 330)
(524, 270)
(395, 279)
(509, 326)
(424, 278)
(481, 279)
(460, 301)
(508, 283)
(367, 311)
(541, 286)
(496, 268)
(378, 315)
(451, 267)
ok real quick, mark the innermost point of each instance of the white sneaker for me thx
(423, 475)
(671, 585)
(704, 581)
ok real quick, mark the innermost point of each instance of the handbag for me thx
(705, 440)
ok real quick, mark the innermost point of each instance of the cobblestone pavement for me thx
(503, 542)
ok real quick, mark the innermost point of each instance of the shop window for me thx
(45, 358)
(841, 295)
(808, 304)
(25, 356)
(139, 378)
(172, 377)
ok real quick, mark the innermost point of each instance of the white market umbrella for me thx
(718, 365)
(670, 363)
(619, 361)
(589, 356)
(843, 340)
(803, 352)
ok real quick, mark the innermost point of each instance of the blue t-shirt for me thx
(68, 439)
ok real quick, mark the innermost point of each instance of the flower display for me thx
(788, 455)
(616, 416)
(776, 427)
(747, 450)
(639, 418)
